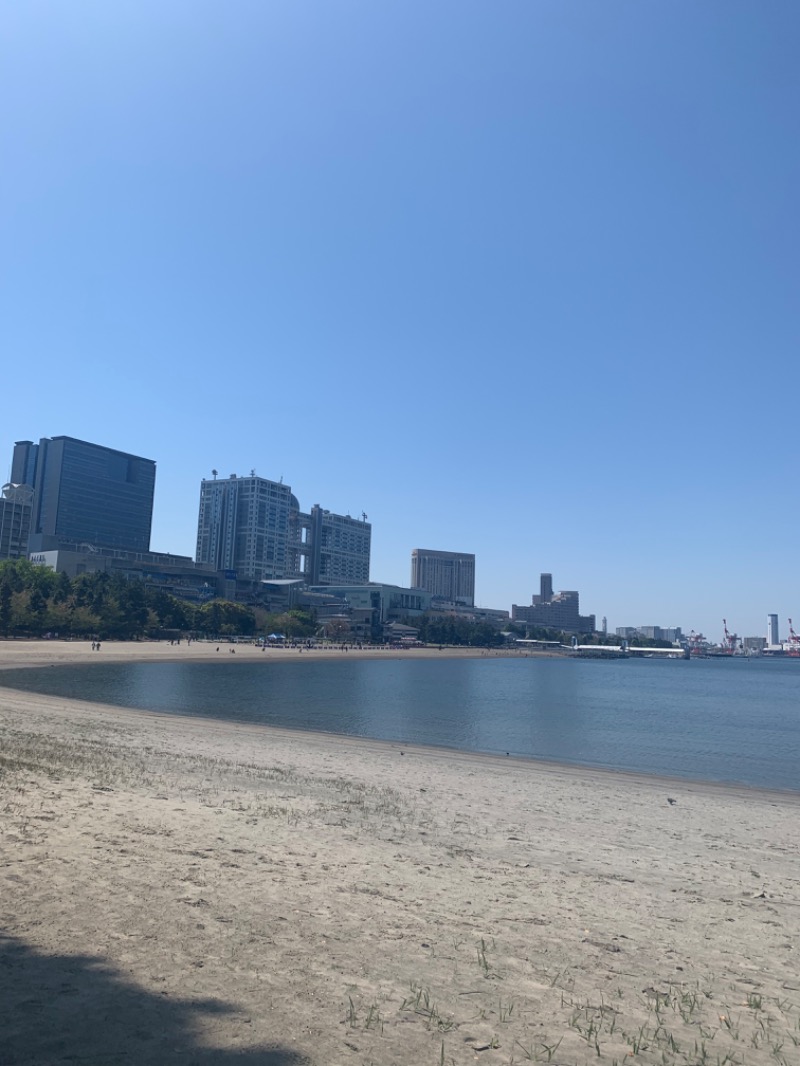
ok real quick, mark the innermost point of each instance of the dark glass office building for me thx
(85, 494)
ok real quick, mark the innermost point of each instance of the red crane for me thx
(696, 643)
(729, 641)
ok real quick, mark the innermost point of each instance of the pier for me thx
(625, 651)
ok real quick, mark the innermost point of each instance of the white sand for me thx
(179, 890)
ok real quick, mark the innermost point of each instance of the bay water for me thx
(730, 720)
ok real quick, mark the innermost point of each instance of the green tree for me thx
(62, 589)
(170, 612)
(296, 623)
(225, 618)
(37, 611)
(5, 605)
(436, 628)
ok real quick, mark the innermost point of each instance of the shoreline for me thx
(19, 653)
(535, 764)
(32, 655)
(235, 892)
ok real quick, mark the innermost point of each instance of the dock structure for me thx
(604, 651)
(600, 651)
(660, 653)
(542, 645)
(625, 651)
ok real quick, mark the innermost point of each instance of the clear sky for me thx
(519, 278)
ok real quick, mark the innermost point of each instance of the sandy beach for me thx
(21, 653)
(185, 890)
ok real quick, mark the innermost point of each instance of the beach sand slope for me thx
(180, 890)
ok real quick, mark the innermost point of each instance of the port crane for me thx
(793, 642)
(730, 639)
(697, 642)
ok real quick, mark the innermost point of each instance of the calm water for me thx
(719, 720)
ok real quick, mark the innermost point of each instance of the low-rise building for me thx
(389, 603)
(490, 615)
(673, 634)
(754, 645)
(177, 575)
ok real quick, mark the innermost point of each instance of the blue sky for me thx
(518, 278)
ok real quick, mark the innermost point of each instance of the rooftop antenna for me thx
(252, 471)
(281, 480)
(214, 472)
(363, 516)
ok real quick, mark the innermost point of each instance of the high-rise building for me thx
(545, 589)
(772, 630)
(255, 527)
(15, 521)
(85, 494)
(243, 525)
(560, 611)
(448, 575)
(330, 549)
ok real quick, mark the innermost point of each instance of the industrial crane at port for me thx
(730, 640)
(697, 644)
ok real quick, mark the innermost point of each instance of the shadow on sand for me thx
(58, 1009)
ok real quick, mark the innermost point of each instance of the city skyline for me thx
(300, 548)
(524, 276)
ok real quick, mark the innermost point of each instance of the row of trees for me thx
(35, 601)
(449, 629)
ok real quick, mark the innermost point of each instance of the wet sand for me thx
(177, 889)
(20, 653)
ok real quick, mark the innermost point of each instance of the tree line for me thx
(450, 629)
(36, 601)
